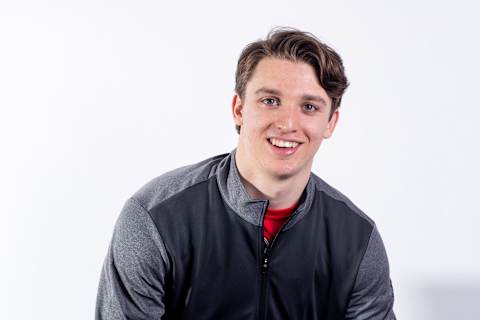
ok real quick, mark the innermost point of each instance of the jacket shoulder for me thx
(335, 195)
(170, 183)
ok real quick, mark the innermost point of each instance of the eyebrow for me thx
(309, 97)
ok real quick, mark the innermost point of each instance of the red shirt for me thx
(274, 220)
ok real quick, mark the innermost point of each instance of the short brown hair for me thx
(297, 46)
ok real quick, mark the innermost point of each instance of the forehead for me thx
(295, 79)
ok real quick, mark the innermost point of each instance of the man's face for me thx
(284, 117)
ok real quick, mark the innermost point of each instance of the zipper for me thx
(267, 251)
(263, 267)
(264, 271)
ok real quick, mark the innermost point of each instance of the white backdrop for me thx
(98, 97)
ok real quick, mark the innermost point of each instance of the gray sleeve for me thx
(133, 275)
(372, 295)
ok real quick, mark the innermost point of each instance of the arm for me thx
(133, 275)
(372, 295)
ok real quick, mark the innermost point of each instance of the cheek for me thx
(315, 131)
(253, 126)
(258, 118)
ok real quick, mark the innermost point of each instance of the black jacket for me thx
(189, 245)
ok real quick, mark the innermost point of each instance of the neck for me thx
(282, 192)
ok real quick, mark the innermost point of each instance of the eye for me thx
(271, 101)
(310, 107)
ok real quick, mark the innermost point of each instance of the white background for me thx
(98, 97)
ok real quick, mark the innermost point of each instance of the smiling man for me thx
(254, 234)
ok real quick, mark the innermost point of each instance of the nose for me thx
(286, 120)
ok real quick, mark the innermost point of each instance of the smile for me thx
(283, 143)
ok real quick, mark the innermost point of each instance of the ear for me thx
(237, 110)
(331, 125)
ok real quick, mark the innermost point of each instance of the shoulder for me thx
(170, 183)
(339, 200)
(372, 293)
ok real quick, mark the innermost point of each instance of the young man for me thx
(254, 234)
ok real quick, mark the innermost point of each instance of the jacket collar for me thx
(235, 195)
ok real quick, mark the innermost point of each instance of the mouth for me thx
(282, 143)
(283, 147)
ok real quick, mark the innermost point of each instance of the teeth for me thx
(283, 143)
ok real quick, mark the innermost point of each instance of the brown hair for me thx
(297, 46)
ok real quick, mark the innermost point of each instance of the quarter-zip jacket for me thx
(189, 245)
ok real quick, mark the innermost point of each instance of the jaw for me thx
(258, 159)
(287, 169)
(287, 163)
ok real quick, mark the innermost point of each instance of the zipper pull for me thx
(265, 264)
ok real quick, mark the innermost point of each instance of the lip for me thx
(283, 151)
(284, 139)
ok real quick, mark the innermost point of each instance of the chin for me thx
(283, 172)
